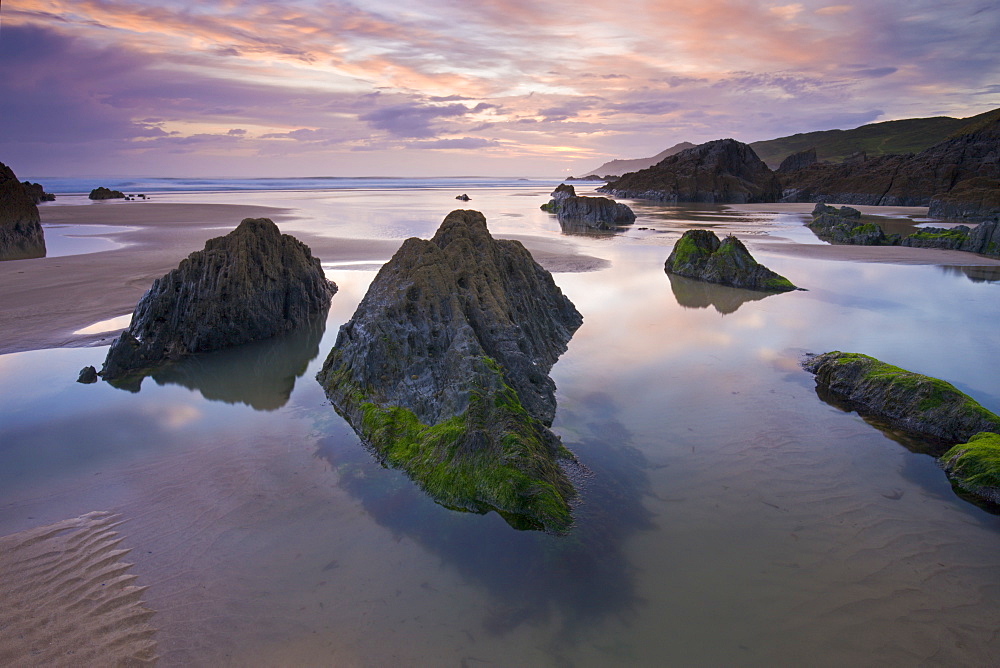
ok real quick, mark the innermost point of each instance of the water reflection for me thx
(577, 228)
(691, 293)
(532, 577)
(261, 374)
(988, 274)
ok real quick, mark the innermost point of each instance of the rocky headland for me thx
(699, 254)
(443, 372)
(959, 173)
(845, 226)
(105, 193)
(249, 285)
(724, 171)
(926, 407)
(599, 213)
(21, 235)
(37, 192)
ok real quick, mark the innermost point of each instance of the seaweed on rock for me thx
(443, 368)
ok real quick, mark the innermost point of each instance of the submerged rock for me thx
(699, 254)
(443, 371)
(105, 193)
(251, 284)
(975, 466)
(21, 235)
(599, 213)
(918, 404)
(88, 375)
(724, 171)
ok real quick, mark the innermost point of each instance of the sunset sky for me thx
(244, 88)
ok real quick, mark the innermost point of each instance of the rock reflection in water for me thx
(575, 580)
(260, 374)
(693, 294)
(581, 229)
(981, 274)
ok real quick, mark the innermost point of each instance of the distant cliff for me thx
(619, 167)
(724, 171)
(21, 235)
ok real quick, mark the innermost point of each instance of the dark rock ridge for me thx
(844, 226)
(975, 199)
(926, 407)
(907, 180)
(596, 212)
(88, 375)
(251, 284)
(37, 192)
(463, 197)
(21, 235)
(918, 404)
(443, 372)
(799, 160)
(699, 254)
(106, 193)
(724, 171)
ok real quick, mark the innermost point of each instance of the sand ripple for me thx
(68, 599)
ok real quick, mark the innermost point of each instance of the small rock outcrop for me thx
(724, 171)
(699, 254)
(975, 199)
(106, 193)
(88, 375)
(463, 197)
(918, 404)
(443, 372)
(21, 235)
(975, 466)
(37, 192)
(799, 160)
(251, 284)
(844, 226)
(598, 213)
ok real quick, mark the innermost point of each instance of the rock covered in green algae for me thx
(844, 226)
(919, 404)
(700, 255)
(249, 285)
(21, 235)
(975, 466)
(443, 371)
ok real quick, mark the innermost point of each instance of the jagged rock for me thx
(88, 375)
(921, 405)
(599, 213)
(984, 239)
(721, 171)
(799, 160)
(249, 285)
(463, 197)
(952, 238)
(975, 199)
(902, 180)
(699, 254)
(844, 226)
(975, 466)
(443, 371)
(37, 192)
(21, 235)
(105, 193)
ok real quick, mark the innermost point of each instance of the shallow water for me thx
(731, 517)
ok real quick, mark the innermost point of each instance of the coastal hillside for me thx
(619, 167)
(911, 135)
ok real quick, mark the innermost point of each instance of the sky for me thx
(257, 88)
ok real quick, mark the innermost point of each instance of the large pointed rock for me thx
(21, 234)
(249, 285)
(599, 213)
(443, 371)
(699, 254)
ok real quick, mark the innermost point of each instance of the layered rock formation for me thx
(799, 160)
(975, 199)
(597, 212)
(443, 371)
(699, 254)
(906, 180)
(918, 404)
(106, 193)
(249, 285)
(21, 235)
(724, 171)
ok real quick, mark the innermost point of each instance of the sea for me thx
(731, 515)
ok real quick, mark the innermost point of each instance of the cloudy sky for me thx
(463, 87)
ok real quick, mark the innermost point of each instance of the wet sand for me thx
(68, 599)
(44, 301)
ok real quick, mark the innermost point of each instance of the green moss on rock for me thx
(975, 466)
(699, 254)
